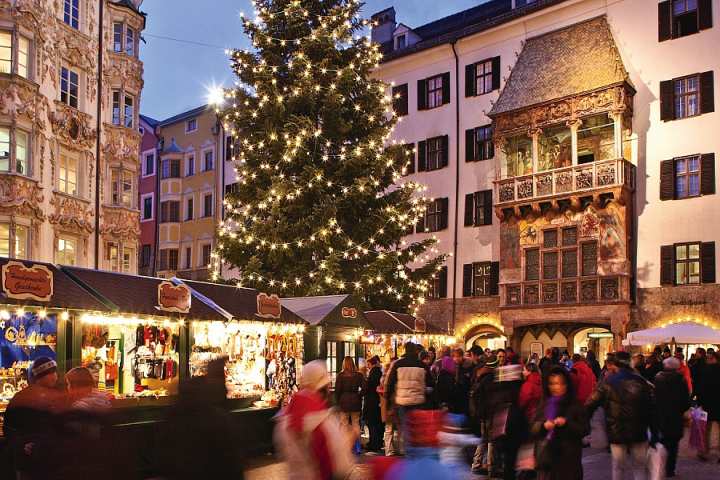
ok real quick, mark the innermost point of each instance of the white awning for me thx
(681, 333)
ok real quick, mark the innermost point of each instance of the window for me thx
(188, 258)
(124, 115)
(189, 209)
(560, 256)
(112, 256)
(129, 111)
(71, 13)
(206, 250)
(550, 265)
(190, 166)
(481, 279)
(479, 144)
(482, 77)
(127, 256)
(14, 241)
(6, 52)
(149, 164)
(232, 188)
(595, 139)
(169, 211)
(14, 151)
(130, 41)
(122, 188)
(148, 207)
(117, 37)
(433, 153)
(589, 258)
(687, 177)
(436, 216)
(400, 99)
(69, 87)
(686, 97)
(678, 18)
(555, 148)
(208, 161)
(23, 57)
(400, 42)
(229, 149)
(685, 17)
(170, 168)
(435, 91)
(68, 173)
(331, 358)
(145, 254)
(123, 39)
(532, 264)
(14, 54)
(208, 205)
(518, 157)
(66, 251)
(116, 95)
(168, 259)
(191, 125)
(478, 208)
(438, 284)
(687, 263)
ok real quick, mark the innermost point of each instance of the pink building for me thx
(147, 186)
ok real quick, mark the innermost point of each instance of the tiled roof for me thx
(184, 116)
(241, 303)
(579, 58)
(126, 3)
(66, 292)
(384, 321)
(313, 310)
(173, 147)
(149, 120)
(134, 294)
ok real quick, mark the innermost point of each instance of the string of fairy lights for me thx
(250, 101)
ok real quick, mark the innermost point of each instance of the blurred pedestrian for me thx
(710, 400)
(684, 369)
(480, 416)
(445, 382)
(461, 386)
(371, 406)
(348, 385)
(551, 358)
(583, 378)
(307, 437)
(591, 360)
(673, 400)
(531, 391)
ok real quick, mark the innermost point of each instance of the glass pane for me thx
(4, 239)
(4, 149)
(550, 238)
(694, 249)
(694, 272)
(681, 273)
(518, 157)
(680, 252)
(117, 37)
(532, 259)
(691, 84)
(569, 236)
(21, 152)
(5, 52)
(680, 166)
(693, 164)
(130, 41)
(569, 263)
(21, 242)
(694, 184)
(550, 264)
(692, 107)
(680, 190)
(555, 148)
(23, 56)
(589, 258)
(596, 138)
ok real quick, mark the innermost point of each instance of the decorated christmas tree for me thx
(320, 205)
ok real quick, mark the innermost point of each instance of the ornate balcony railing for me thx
(565, 181)
(569, 291)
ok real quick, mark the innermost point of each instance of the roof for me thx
(580, 58)
(173, 147)
(313, 310)
(133, 294)
(385, 321)
(184, 116)
(149, 120)
(463, 24)
(241, 303)
(66, 292)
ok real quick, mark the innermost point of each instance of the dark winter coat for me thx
(530, 395)
(629, 405)
(673, 400)
(461, 388)
(566, 442)
(347, 391)
(711, 391)
(444, 387)
(371, 405)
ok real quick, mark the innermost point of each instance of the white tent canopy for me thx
(682, 333)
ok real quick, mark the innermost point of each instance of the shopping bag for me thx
(698, 425)
(656, 457)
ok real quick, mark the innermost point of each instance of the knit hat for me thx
(43, 366)
(622, 359)
(314, 376)
(671, 363)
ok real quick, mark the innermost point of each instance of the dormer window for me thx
(400, 42)
(191, 125)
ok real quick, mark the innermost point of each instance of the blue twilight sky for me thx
(177, 74)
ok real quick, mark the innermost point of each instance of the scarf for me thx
(552, 409)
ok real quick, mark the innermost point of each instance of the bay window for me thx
(122, 188)
(123, 109)
(518, 156)
(14, 240)
(14, 54)
(14, 150)
(596, 139)
(68, 173)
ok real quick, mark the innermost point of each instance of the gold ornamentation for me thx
(71, 213)
(120, 222)
(121, 145)
(72, 126)
(21, 195)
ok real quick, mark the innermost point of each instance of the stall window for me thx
(66, 251)
(332, 360)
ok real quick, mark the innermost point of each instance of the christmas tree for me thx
(320, 205)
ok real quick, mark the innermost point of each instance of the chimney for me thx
(383, 26)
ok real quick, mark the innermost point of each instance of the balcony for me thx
(564, 182)
(571, 291)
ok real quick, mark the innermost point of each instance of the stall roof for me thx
(241, 303)
(682, 333)
(133, 294)
(313, 310)
(66, 292)
(385, 321)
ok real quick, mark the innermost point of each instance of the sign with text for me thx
(349, 312)
(27, 283)
(420, 325)
(268, 306)
(174, 298)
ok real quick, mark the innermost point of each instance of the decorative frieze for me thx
(20, 98)
(71, 214)
(21, 195)
(120, 222)
(121, 145)
(72, 126)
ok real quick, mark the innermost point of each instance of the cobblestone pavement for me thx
(596, 462)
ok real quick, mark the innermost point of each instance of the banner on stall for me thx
(349, 312)
(27, 283)
(268, 306)
(174, 298)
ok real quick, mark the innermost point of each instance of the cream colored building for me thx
(67, 193)
(570, 145)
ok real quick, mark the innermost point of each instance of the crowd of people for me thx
(494, 415)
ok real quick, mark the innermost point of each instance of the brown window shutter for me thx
(707, 262)
(443, 282)
(445, 209)
(707, 94)
(446, 87)
(667, 100)
(667, 266)
(420, 226)
(667, 180)
(469, 209)
(487, 206)
(707, 174)
(496, 73)
(470, 73)
(704, 14)
(445, 151)
(422, 94)
(400, 104)
(470, 145)
(422, 156)
(665, 20)
(494, 278)
(411, 157)
(467, 280)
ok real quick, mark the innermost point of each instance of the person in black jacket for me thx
(629, 405)
(558, 428)
(673, 400)
(371, 406)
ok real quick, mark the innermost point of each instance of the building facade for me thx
(148, 185)
(569, 146)
(69, 131)
(189, 198)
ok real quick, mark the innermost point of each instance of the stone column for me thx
(574, 127)
(617, 123)
(535, 134)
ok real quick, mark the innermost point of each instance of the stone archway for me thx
(536, 338)
(484, 335)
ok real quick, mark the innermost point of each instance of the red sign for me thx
(23, 283)
(268, 306)
(174, 298)
(349, 312)
(420, 325)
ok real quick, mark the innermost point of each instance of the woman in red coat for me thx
(531, 391)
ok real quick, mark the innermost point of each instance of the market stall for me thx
(391, 330)
(686, 333)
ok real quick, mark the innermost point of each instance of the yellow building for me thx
(190, 176)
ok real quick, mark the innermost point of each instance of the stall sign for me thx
(368, 338)
(174, 298)
(27, 283)
(349, 312)
(268, 306)
(420, 325)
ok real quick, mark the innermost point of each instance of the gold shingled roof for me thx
(575, 59)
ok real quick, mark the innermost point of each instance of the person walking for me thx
(684, 369)
(583, 378)
(371, 406)
(551, 358)
(531, 391)
(558, 428)
(478, 412)
(629, 405)
(348, 385)
(507, 426)
(673, 400)
(593, 363)
(458, 402)
(710, 400)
